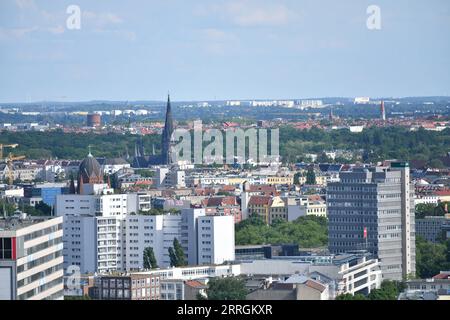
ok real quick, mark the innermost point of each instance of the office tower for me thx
(31, 258)
(373, 209)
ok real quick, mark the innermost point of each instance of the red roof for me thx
(195, 284)
(442, 193)
(228, 188)
(442, 275)
(220, 201)
(315, 285)
(266, 189)
(259, 200)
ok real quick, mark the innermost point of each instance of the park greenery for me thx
(430, 209)
(374, 143)
(307, 232)
(41, 209)
(431, 258)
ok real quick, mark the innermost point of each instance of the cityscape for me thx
(168, 197)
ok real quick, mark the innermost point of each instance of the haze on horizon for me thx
(224, 49)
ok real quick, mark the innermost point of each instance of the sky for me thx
(222, 49)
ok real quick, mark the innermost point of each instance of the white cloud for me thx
(246, 14)
(101, 19)
(26, 4)
(249, 13)
(56, 30)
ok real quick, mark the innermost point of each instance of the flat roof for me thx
(15, 223)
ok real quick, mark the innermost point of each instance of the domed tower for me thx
(89, 172)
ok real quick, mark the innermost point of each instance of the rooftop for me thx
(17, 222)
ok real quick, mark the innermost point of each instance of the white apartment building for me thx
(31, 258)
(306, 206)
(166, 178)
(215, 239)
(94, 229)
(205, 239)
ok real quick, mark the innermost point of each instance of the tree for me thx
(9, 208)
(311, 177)
(348, 296)
(430, 209)
(229, 288)
(436, 164)
(44, 208)
(431, 258)
(389, 290)
(297, 177)
(149, 259)
(176, 254)
(307, 232)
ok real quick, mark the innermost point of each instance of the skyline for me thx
(225, 50)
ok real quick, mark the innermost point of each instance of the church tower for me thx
(167, 135)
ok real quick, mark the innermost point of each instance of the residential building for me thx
(305, 206)
(126, 287)
(31, 258)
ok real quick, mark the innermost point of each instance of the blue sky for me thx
(222, 49)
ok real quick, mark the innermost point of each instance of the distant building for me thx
(362, 100)
(126, 287)
(433, 228)
(93, 120)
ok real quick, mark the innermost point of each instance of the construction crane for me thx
(15, 145)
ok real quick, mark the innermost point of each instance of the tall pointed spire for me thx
(167, 134)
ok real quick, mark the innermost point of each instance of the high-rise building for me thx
(31, 258)
(373, 209)
(166, 140)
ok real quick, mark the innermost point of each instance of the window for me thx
(5, 248)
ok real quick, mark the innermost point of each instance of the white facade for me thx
(94, 224)
(31, 259)
(205, 239)
(215, 239)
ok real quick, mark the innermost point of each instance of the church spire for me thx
(167, 134)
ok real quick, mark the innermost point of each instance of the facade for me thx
(347, 273)
(374, 210)
(126, 287)
(205, 239)
(433, 228)
(306, 206)
(31, 258)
